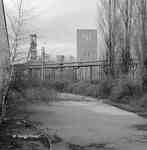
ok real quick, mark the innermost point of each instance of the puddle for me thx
(102, 146)
(22, 134)
(140, 127)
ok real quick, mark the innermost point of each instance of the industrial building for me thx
(87, 50)
(87, 44)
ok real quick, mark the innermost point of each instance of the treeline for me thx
(122, 24)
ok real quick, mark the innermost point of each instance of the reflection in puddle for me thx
(140, 127)
(102, 146)
(141, 137)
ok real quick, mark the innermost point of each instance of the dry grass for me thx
(40, 94)
(125, 90)
(122, 90)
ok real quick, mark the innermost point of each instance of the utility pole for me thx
(5, 73)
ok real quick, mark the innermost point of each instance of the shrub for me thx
(59, 85)
(69, 88)
(40, 94)
(79, 87)
(100, 89)
(123, 89)
(142, 102)
(92, 91)
(104, 88)
(15, 102)
(20, 85)
(15, 97)
(145, 81)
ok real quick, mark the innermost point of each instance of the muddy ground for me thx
(19, 133)
(72, 123)
(92, 125)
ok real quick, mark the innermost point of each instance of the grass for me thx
(99, 89)
(124, 89)
(29, 91)
(122, 92)
(40, 94)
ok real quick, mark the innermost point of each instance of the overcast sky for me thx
(56, 21)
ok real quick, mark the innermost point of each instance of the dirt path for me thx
(86, 123)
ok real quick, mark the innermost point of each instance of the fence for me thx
(75, 71)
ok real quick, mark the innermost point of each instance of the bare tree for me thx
(126, 13)
(139, 36)
(143, 12)
(16, 23)
(143, 32)
(107, 26)
(123, 26)
(116, 26)
(20, 20)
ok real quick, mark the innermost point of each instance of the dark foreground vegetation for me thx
(17, 132)
(21, 133)
(123, 92)
(32, 91)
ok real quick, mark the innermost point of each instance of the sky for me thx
(56, 22)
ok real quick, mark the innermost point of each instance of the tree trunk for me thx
(126, 52)
(111, 38)
(144, 43)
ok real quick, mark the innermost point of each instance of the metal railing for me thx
(89, 70)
